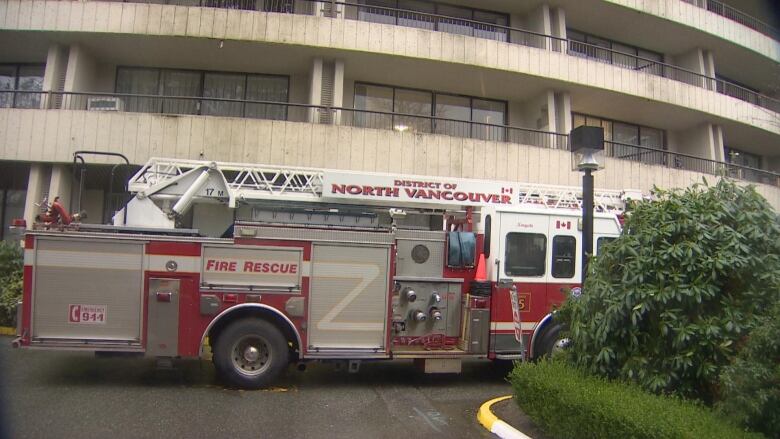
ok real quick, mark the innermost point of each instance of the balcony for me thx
(738, 16)
(106, 105)
(494, 31)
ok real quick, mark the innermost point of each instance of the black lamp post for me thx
(587, 147)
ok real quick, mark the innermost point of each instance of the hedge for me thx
(566, 403)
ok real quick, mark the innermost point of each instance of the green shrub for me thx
(566, 403)
(667, 303)
(11, 264)
(751, 386)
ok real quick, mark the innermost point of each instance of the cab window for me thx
(525, 254)
(564, 251)
(602, 241)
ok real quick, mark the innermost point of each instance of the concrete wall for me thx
(699, 18)
(82, 70)
(140, 136)
(697, 141)
(349, 35)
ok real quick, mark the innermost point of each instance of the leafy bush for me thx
(751, 386)
(567, 403)
(667, 304)
(11, 264)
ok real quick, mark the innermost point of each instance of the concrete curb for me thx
(5, 330)
(496, 426)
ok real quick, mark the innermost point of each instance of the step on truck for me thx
(313, 264)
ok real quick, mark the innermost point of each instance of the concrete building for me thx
(485, 89)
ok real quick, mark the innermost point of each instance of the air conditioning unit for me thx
(105, 103)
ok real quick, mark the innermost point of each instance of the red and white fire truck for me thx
(314, 264)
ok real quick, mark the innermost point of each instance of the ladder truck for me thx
(313, 264)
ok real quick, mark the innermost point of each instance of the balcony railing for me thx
(740, 17)
(480, 29)
(375, 120)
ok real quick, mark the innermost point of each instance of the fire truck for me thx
(313, 264)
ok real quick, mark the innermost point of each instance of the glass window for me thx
(525, 254)
(651, 137)
(413, 102)
(377, 14)
(267, 88)
(139, 81)
(492, 32)
(223, 86)
(564, 256)
(625, 133)
(181, 83)
(7, 82)
(30, 79)
(13, 208)
(373, 98)
(410, 16)
(453, 25)
(493, 115)
(453, 107)
(651, 62)
(628, 60)
(602, 241)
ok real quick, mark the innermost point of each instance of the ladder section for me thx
(245, 182)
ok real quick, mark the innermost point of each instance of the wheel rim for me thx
(251, 355)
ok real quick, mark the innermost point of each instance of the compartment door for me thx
(87, 293)
(348, 298)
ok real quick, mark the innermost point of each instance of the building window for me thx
(13, 208)
(613, 52)
(21, 77)
(434, 16)
(461, 116)
(525, 254)
(622, 135)
(742, 158)
(218, 93)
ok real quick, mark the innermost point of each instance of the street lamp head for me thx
(587, 148)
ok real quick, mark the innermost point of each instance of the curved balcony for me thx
(346, 138)
(524, 52)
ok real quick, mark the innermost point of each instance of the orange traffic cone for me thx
(481, 275)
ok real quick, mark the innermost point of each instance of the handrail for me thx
(526, 38)
(425, 123)
(740, 17)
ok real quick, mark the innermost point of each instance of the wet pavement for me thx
(65, 394)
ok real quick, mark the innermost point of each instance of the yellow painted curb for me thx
(496, 426)
(5, 330)
(485, 416)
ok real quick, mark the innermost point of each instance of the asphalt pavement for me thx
(47, 394)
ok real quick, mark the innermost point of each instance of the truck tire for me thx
(549, 341)
(250, 354)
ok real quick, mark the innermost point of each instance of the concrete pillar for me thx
(718, 147)
(315, 88)
(61, 185)
(82, 70)
(37, 188)
(338, 88)
(558, 28)
(704, 140)
(54, 75)
(537, 21)
(692, 61)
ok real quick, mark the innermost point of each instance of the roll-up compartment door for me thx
(88, 292)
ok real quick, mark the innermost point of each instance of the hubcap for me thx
(251, 355)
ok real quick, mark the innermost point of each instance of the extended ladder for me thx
(234, 182)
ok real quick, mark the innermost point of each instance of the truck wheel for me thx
(250, 353)
(550, 341)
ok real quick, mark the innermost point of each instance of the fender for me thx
(539, 328)
(248, 305)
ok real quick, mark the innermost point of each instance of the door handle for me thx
(163, 296)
